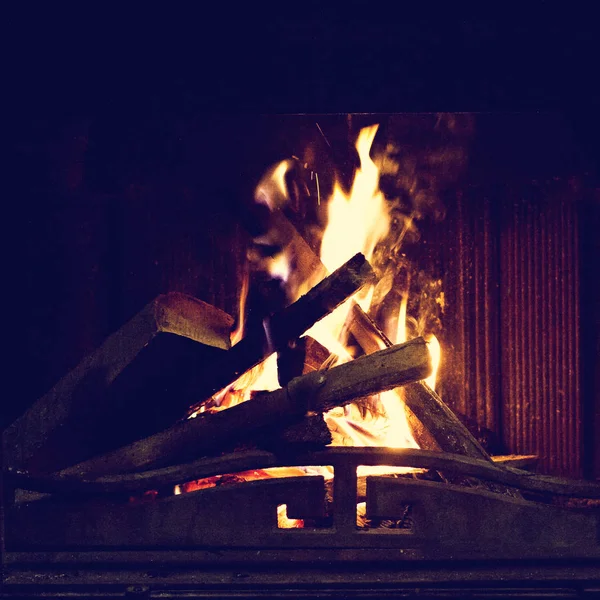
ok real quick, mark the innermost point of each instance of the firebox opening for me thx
(396, 297)
(284, 522)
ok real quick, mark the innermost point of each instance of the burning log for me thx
(445, 428)
(127, 484)
(317, 392)
(309, 433)
(299, 358)
(371, 374)
(367, 334)
(443, 425)
(430, 418)
(433, 422)
(282, 328)
(129, 388)
(283, 233)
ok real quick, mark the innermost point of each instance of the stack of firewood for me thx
(120, 410)
(123, 408)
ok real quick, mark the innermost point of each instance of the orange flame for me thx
(357, 222)
(401, 333)
(435, 351)
(238, 334)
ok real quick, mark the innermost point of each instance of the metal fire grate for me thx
(225, 541)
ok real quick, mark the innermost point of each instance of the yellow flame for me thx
(356, 223)
(327, 331)
(401, 333)
(267, 379)
(272, 189)
(435, 351)
(238, 334)
(364, 299)
(389, 428)
(263, 377)
(284, 522)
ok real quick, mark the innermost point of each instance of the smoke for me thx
(419, 157)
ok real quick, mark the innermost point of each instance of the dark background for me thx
(129, 157)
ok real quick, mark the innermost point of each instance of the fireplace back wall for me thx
(513, 276)
(128, 205)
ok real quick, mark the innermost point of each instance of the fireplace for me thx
(486, 254)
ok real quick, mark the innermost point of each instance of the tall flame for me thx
(356, 223)
(238, 333)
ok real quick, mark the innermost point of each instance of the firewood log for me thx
(443, 425)
(435, 424)
(309, 433)
(129, 388)
(281, 328)
(300, 357)
(365, 331)
(126, 484)
(318, 391)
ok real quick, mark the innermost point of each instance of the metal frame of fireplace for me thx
(225, 541)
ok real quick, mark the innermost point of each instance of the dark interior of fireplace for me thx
(132, 205)
(124, 200)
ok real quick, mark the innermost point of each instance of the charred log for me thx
(254, 459)
(310, 433)
(281, 328)
(131, 386)
(365, 331)
(443, 425)
(317, 392)
(447, 430)
(299, 358)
